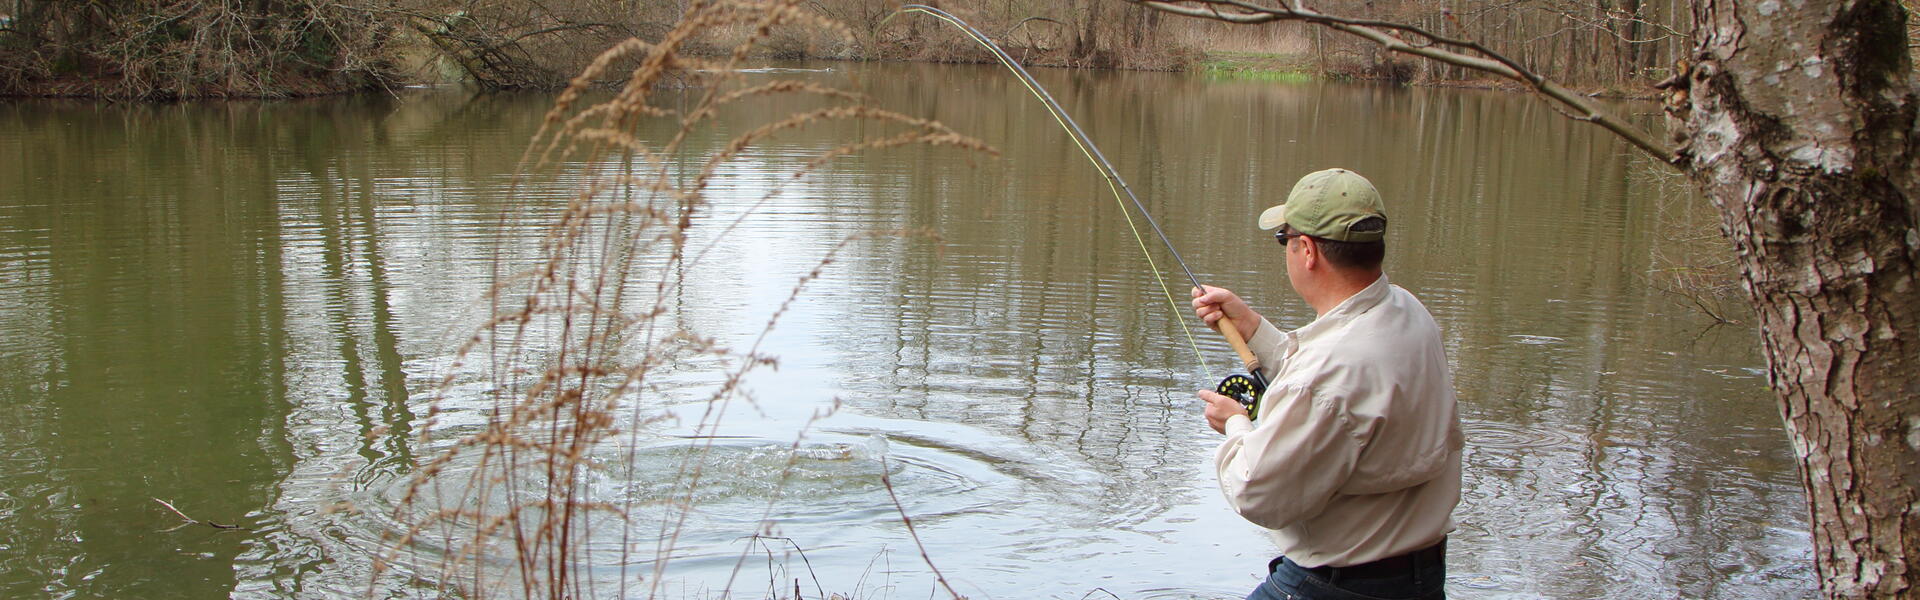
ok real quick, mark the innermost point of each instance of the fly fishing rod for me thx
(1245, 388)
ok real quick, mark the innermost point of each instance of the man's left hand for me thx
(1220, 408)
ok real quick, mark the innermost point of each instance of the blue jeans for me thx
(1289, 581)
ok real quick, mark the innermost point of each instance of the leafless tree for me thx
(189, 48)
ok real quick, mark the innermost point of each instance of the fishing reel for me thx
(1245, 389)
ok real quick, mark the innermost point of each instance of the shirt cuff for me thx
(1238, 425)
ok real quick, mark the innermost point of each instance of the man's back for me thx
(1356, 453)
(1355, 460)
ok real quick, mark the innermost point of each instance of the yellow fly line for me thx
(1114, 183)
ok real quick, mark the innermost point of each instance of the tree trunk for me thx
(1086, 42)
(1802, 132)
(1633, 48)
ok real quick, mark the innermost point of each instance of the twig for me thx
(192, 521)
(908, 521)
(803, 559)
(1008, 34)
(1426, 45)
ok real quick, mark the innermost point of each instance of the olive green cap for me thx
(1327, 204)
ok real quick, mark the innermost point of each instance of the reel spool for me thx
(1245, 389)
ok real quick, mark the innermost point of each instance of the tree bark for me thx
(1800, 125)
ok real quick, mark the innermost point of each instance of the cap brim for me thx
(1273, 218)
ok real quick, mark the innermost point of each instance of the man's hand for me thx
(1219, 409)
(1210, 303)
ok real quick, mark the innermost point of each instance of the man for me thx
(1354, 457)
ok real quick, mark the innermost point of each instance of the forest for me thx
(177, 49)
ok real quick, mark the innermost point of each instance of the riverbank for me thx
(1302, 68)
(1220, 65)
(56, 49)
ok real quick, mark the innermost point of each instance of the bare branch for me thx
(1428, 45)
(1023, 23)
(560, 28)
(186, 520)
(1570, 10)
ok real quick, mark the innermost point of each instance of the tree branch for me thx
(186, 520)
(1560, 9)
(558, 28)
(1023, 23)
(1426, 45)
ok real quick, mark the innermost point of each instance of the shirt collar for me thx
(1346, 310)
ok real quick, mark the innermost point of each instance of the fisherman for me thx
(1354, 458)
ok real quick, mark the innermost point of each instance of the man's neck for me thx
(1338, 287)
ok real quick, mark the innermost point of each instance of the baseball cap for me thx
(1326, 204)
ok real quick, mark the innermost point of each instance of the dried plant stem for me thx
(908, 521)
(186, 520)
(567, 363)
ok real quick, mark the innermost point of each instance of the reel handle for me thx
(1245, 389)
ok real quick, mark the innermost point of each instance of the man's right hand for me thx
(1219, 409)
(1211, 303)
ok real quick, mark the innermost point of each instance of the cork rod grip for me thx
(1239, 343)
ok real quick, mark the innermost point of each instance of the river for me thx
(245, 309)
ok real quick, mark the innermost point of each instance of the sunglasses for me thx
(1285, 237)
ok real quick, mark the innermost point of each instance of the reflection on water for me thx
(242, 308)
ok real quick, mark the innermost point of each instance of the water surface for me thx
(242, 308)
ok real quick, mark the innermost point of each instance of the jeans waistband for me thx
(1399, 565)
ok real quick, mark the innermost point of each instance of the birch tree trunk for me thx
(1800, 117)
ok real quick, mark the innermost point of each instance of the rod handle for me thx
(1239, 343)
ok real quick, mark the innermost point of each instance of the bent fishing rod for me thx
(1245, 388)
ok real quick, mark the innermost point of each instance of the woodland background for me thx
(172, 49)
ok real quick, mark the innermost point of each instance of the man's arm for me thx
(1265, 340)
(1289, 467)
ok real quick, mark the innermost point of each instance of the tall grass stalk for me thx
(570, 358)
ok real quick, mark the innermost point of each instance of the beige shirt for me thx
(1355, 455)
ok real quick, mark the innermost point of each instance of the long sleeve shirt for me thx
(1355, 455)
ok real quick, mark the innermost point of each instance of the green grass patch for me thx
(1238, 71)
(1245, 55)
(1228, 65)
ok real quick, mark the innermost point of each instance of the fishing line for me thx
(1114, 183)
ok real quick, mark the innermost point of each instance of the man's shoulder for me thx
(1404, 296)
(1392, 332)
(1403, 309)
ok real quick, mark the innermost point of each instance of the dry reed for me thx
(569, 367)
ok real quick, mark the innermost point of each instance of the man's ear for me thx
(1310, 252)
